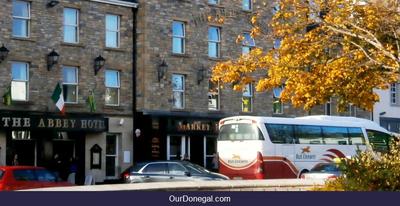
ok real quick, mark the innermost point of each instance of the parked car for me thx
(323, 171)
(168, 171)
(28, 177)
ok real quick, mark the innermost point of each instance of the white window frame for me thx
(250, 2)
(182, 38)
(28, 19)
(74, 84)
(180, 91)
(116, 155)
(218, 42)
(218, 96)
(393, 94)
(213, 3)
(26, 81)
(277, 98)
(250, 96)
(246, 44)
(118, 32)
(72, 25)
(118, 87)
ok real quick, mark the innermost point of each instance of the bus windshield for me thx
(240, 132)
(379, 141)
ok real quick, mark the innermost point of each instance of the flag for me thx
(91, 101)
(58, 98)
(7, 96)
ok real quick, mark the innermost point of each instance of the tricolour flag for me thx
(58, 98)
(7, 96)
(91, 101)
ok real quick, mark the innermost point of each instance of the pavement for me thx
(228, 185)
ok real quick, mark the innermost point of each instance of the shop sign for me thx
(58, 123)
(194, 126)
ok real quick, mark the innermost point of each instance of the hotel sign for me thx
(59, 123)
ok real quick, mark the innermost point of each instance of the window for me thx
(327, 108)
(213, 96)
(112, 83)
(247, 99)
(1, 174)
(21, 19)
(352, 109)
(111, 155)
(176, 169)
(20, 81)
(335, 135)
(356, 136)
(248, 43)
(213, 1)
(240, 132)
(378, 140)
(70, 84)
(71, 25)
(247, 5)
(112, 30)
(309, 134)
(214, 42)
(277, 105)
(281, 133)
(178, 37)
(178, 89)
(393, 93)
(24, 175)
(156, 168)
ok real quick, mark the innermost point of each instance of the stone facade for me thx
(45, 34)
(154, 44)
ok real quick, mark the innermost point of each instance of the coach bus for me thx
(251, 147)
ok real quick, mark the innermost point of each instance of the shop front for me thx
(176, 138)
(58, 141)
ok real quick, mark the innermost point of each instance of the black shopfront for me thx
(171, 137)
(34, 139)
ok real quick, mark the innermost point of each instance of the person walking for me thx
(15, 161)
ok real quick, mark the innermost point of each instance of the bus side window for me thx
(378, 140)
(281, 133)
(356, 136)
(335, 135)
(309, 134)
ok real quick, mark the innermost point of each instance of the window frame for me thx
(181, 38)
(77, 12)
(178, 90)
(28, 19)
(250, 3)
(246, 44)
(393, 94)
(250, 96)
(118, 87)
(218, 93)
(76, 84)
(217, 42)
(276, 98)
(20, 80)
(118, 31)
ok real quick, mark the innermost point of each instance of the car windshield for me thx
(325, 168)
(34, 175)
(195, 169)
(1, 174)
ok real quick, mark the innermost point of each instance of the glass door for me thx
(111, 156)
(175, 147)
(210, 150)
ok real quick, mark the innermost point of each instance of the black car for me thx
(168, 171)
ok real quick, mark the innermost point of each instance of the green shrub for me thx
(368, 171)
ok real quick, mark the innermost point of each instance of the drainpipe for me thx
(134, 59)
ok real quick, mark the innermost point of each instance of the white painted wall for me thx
(384, 106)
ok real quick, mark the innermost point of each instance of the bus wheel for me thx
(302, 172)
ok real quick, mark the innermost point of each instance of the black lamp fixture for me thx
(161, 70)
(52, 3)
(99, 63)
(3, 53)
(52, 59)
(200, 75)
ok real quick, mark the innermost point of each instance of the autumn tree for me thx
(329, 48)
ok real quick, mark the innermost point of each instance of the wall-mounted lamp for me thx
(200, 75)
(52, 3)
(3, 53)
(382, 113)
(52, 59)
(161, 70)
(99, 63)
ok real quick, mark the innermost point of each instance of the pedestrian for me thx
(185, 157)
(15, 161)
(56, 165)
(215, 162)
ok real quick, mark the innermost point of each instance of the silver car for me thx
(168, 171)
(323, 171)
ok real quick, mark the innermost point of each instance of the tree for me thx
(329, 48)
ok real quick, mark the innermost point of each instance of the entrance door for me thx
(196, 150)
(65, 149)
(210, 149)
(26, 151)
(176, 147)
(111, 156)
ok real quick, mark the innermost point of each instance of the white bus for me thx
(251, 147)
